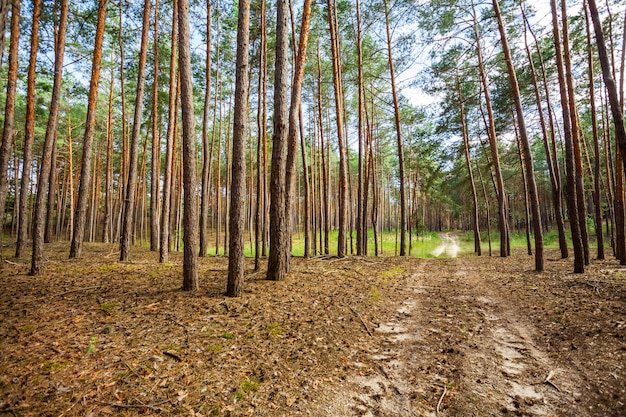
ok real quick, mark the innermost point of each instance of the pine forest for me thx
(326, 208)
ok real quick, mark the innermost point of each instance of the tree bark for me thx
(525, 144)
(470, 172)
(164, 235)
(29, 133)
(190, 222)
(238, 157)
(206, 152)
(37, 261)
(576, 136)
(292, 135)
(572, 204)
(155, 168)
(277, 265)
(131, 185)
(502, 219)
(596, 142)
(85, 171)
(9, 113)
(396, 108)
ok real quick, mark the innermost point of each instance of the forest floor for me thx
(463, 336)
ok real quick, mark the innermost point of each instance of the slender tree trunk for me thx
(206, 151)
(292, 135)
(164, 235)
(129, 203)
(9, 113)
(525, 144)
(336, 57)
(524, 187)
(190, 264)
(551, 159)
(325, 179)
(396, 108)
(470, 172)
(238, 185)
(361, 230)
(155, 167)
(596, 141)
(5, 5)
(277, 265)
(572, 204)
(261, 176)
(29, 133)
(37, 261)
(502, 219)
(85, 172)
(52, 192)
(108, 201)
(576, 136)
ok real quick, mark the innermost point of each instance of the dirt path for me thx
(449, 246)
(455, 333)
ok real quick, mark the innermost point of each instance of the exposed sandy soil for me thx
(466, 336)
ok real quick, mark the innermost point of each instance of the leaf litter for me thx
(340, 337)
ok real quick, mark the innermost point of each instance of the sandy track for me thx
(454, 332)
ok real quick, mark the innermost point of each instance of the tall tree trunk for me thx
(572, 203)
(396, 108)
(260, 224)
(206, 151)
(502, 219)
(5, 5)
(361, 229)
(470, 172)
(525, 144)
(52, 192)
(190, 222)
(277, 263)
(238, 184)
(37, 261)
(292, 136)
(172, 108)
(325, 179)
(131, 185)
(339, 114)
(576, 136)
(614, 101)
(155, 168)
(108, 185)
(551, 158)
(29, 133)
(596, 141)
(9, 113)
(85, 170)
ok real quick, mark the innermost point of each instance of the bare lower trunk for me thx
(190, 263)
(85, 173)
